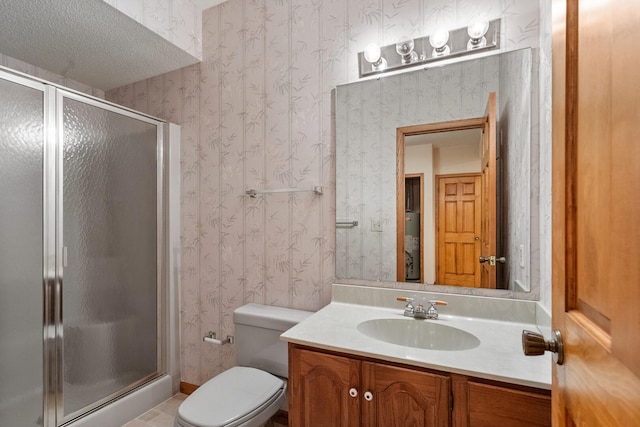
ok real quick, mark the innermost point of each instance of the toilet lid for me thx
(229, 396)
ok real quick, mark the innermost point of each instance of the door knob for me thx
(492, 259)
(534, 344)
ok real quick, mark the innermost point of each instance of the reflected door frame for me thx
(401, 134)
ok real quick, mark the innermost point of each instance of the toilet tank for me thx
(258, 330)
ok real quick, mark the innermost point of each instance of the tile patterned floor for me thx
(164, 414)
(160, 416)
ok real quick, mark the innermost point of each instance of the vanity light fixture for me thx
(404, 48)
(476, 31)
(373, 55)
(440, 45)
(438, 41)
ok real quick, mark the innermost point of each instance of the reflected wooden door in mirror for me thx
(458, 212)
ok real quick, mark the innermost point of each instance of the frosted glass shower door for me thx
(21, 252)
(110, 251)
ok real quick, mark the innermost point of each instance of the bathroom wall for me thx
(258, 113)
(518, 142)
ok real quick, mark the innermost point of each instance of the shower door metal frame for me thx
(60, 96)
(52, 263)
(52, 282)
(49, 392)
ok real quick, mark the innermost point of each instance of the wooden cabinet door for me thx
(490, 406)
(596, 206)
(319, 390)
(402, 397)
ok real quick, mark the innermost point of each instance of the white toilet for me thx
(250, 394)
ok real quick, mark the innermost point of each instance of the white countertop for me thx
(498, 357)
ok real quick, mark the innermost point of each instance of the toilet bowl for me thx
(250, 394)
(239, 396)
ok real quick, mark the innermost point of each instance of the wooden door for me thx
(458, 232)
(488, 221)
(403, 397)
(319, 390)
(596, 209)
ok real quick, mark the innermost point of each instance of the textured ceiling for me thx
(86, 40)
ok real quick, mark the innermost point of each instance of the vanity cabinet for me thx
(328, 389)
(318, 390)
(490, 405)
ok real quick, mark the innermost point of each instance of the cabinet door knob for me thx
(534, 344)
(353, 392)
(368, 396)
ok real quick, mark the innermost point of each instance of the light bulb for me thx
(404, 47)
(373, 54)
(438, 41)
(477, 30)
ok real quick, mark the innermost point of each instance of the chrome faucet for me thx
(418, 312)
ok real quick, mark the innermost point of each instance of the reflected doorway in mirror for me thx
(460, 217)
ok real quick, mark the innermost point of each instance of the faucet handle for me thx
(432, 312)
(408, 309)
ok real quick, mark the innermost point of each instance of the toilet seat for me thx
(231, 399)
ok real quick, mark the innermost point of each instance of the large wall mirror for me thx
(410, 176)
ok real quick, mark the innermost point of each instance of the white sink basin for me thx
(429, 334)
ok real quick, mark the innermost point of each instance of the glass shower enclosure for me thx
(81, 258)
